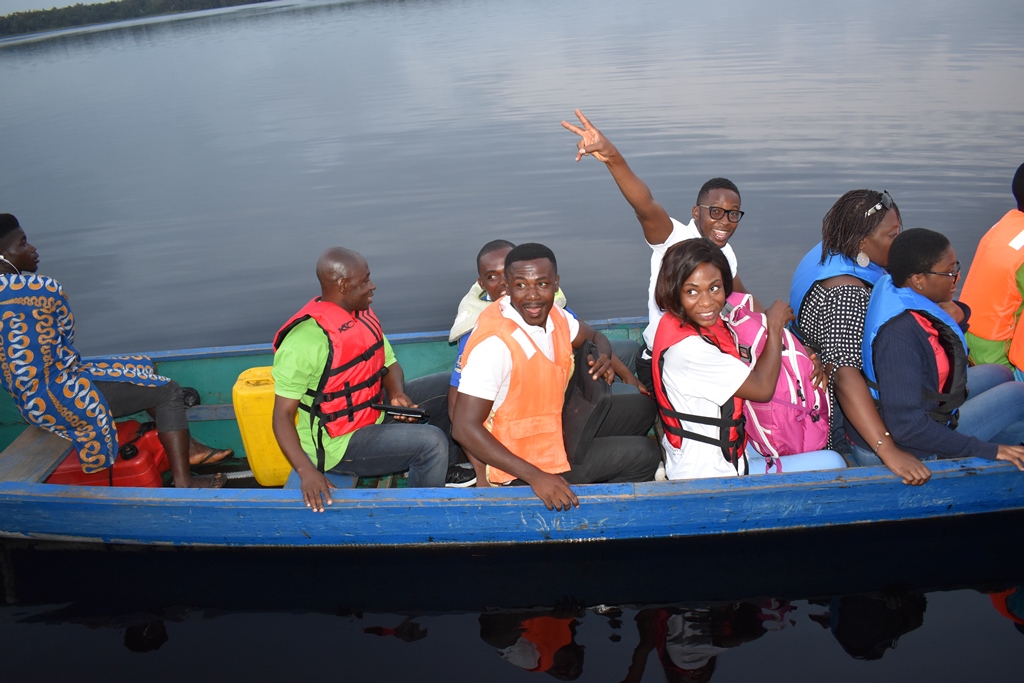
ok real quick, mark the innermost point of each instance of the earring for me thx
(862, 259)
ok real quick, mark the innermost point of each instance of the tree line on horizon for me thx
(36, 21)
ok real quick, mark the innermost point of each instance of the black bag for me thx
(586, 404)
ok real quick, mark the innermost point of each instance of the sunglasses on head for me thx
(885, 202)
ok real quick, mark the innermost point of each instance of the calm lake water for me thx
(885, 603)
(181, 175)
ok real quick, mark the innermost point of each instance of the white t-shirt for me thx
(680, 232)
(488, 369)
(698, 380)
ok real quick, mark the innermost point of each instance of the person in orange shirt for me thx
(515, 369)
(994, 289)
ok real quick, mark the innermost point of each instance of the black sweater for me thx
(905, 367)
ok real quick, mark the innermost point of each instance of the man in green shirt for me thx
(338, 430)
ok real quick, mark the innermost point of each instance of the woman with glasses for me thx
(830, 293)
(915, 360)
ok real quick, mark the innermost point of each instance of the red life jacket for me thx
(351, 380)
(732, 435)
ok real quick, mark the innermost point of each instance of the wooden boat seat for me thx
(33, 455)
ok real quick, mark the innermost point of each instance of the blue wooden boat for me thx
(361, 517)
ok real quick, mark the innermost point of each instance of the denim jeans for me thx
(994, 412)
(381, 449)
(430, 392)
(798, 462)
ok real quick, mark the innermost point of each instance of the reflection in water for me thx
(686, 609)
(868, 625)
(1010, 603)
(684, 641)
(689, 639)
(539, 640)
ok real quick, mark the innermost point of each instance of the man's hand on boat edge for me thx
(316, 490)
(553, 491)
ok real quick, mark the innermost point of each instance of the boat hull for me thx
(447, 517)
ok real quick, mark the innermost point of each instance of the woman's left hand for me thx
(1014, 454)
(818, 376)
(954, 311)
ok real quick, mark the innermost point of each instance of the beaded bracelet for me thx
(879, 443)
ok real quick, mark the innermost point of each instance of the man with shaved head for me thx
(333, 362)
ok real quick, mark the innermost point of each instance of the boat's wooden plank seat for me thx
(218, 411)
(33, 455)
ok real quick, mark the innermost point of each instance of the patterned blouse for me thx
(832, 322)
(45, 375)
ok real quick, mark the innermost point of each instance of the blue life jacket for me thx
(810, 271)
(889, 301)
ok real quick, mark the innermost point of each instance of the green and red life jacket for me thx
(352, 378)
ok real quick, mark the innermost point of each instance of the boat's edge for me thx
(395, 339)
(463, 517)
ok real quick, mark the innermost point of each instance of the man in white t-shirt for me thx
(514, 373)
(716, 215)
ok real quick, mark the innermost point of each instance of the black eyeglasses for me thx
(716, 213)
(884, 203)
(955, 274)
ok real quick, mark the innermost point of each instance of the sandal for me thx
(212, 457)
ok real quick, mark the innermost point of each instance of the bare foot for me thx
(206, 481)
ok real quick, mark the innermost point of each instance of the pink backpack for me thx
(796, 419)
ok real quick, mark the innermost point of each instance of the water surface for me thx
(180, 175)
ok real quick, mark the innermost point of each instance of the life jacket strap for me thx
(730, 447)
(945, 416)
(361, 358)
(349, 389)
(351, 409)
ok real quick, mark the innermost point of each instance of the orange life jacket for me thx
(549, 635)
(732, 435)
(529, 421)
(991, 285)
(351, 380)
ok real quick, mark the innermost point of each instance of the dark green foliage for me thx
(83, 15)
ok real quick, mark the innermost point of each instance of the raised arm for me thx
(653, 218)
(468, 429)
